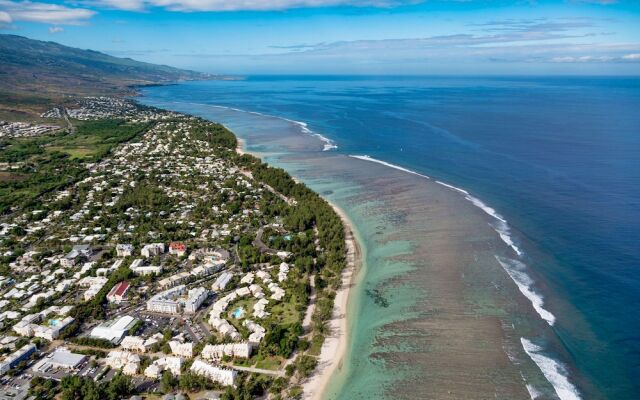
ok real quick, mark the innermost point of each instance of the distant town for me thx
(166, 264)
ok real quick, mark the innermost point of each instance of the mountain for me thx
(38, 67)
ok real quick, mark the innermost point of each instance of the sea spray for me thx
(517, 271)
(553, 370)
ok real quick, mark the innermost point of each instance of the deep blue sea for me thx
(558, 157)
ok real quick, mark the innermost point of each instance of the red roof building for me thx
(118, 292)
(177, 248)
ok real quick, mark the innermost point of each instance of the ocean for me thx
(534, 182)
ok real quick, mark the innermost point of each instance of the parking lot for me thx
(14, 388)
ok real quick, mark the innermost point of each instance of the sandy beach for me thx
(335, 345)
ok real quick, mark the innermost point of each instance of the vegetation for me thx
(78, 388)
(52, 162)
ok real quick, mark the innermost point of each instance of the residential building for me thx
(118, 293)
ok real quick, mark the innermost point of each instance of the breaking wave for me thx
(304, 127)
(553, 370)
(517, 271)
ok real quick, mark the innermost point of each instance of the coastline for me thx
(444, 286)
(335, 346)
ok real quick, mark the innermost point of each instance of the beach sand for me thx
(335, 345)
(444, 320)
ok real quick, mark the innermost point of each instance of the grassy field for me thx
(285, 313)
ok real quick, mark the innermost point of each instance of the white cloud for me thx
(56, 29)
(240, 5)
(5, 18)
(631, 57)
(45, 13)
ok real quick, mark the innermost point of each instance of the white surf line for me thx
(553, 370)
(517, 271)
(375, 160)
(328, 143)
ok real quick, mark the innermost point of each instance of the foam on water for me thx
(533, 392)
(367, 158)
(517, 271)
(304, 127)
(553, 370)
(500, 226)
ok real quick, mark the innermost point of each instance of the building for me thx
(128, 362)
(76, 253)
(171, 364)
(151, 250)
(195, 299)
(61, 358)
(113, 330)
(13, 359)
(181, 349)
(216, 352)
(124, 250)
(118, 293)
(166, 302)
(29, 326)
(177, 248)
(223, 376)
(146, 270)
(95, 284)
(222, 282)
(133, 343)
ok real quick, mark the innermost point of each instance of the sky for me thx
(413, 37)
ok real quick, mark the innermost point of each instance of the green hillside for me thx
(30, 66)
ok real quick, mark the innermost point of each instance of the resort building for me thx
(222, 282)
(128, 362)
(195, 299)
(171, 364)
(166, 302)
(223, 376)
(181, 349)
(216, 352)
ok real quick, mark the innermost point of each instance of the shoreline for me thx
(455, 362)
(334, 348)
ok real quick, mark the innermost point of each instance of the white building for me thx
(60, 358)
(128, 362)
(113, 330)
(223, 376)
(151, 250)
(166, 302)
(181, 349)
(172, 364)
(147, 269)
(222, 282)
(216, 352)
(124, 250)
(195, 299)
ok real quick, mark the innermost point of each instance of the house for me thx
(118, 293)
(124, 250)
(177, 248)
(151, 250)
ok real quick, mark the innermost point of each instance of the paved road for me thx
(257, 370)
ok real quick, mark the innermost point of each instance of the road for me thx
(257, 370)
